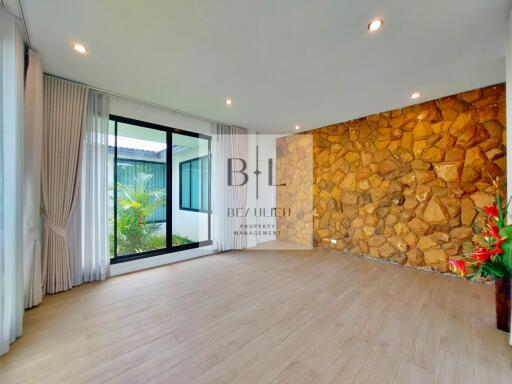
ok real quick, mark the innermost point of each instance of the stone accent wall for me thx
(403, 185)
(294, 167)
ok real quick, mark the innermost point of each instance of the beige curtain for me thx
(64, 116)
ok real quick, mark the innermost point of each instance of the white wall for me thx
(143, 112)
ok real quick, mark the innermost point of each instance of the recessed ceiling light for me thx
(415, 95)
(297, 127)
(229, 102)
(375, 24)
(79, 48)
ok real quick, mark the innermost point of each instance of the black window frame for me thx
(201, 200)
(169, 222)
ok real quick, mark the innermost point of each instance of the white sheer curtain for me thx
(228, 143)
(11, 171)
(91, 262)
(33, 134)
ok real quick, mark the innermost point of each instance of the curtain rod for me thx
(140, 101)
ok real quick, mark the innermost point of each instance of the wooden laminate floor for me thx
(264, 317)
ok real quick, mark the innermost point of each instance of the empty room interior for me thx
(247, 192)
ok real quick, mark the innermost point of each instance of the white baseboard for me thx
(156, 261)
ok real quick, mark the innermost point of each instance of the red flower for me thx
(493, 232)
(482, 255)
(458, 266)
(492, 211)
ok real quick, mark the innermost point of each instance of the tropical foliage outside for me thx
(135, 204)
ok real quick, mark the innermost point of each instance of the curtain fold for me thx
(229, 143)
(64, 119)
(94, 258)
(11, 171)
(33, 135)
(75, 243)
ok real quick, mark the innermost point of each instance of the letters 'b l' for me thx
(240, 171)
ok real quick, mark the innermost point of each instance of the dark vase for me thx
(503, 291)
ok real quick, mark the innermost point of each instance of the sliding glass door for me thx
(159, 189)
(191, 189)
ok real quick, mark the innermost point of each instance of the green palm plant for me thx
(136, 203)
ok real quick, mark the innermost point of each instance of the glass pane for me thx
(190, 226)
(141, 189)
(185, 185)
(204, 183)
(111, 151)
(194, 184)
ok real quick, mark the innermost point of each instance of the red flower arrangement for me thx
(492, 211)
(458, 266)
(490, 254)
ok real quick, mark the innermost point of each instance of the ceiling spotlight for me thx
(228, 102)
(297, 127)
(375, 24)
(415, 95)
(79, 48)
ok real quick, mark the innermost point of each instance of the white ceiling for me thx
(283, 62)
